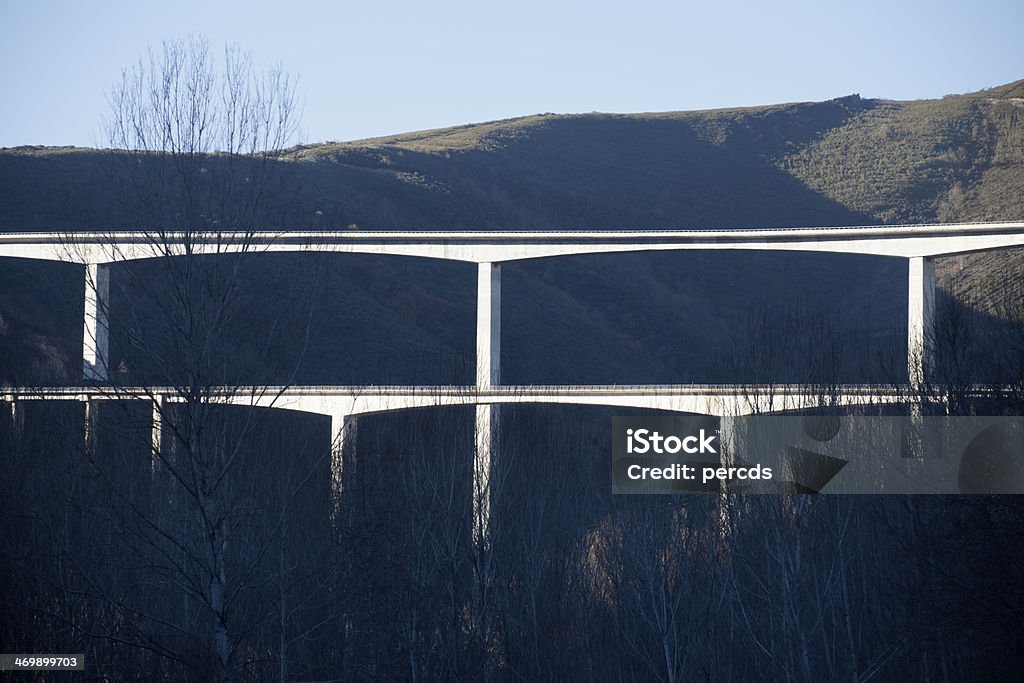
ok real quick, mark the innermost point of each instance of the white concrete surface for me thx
(495, 247)
(96, 331)
(488, 325)
(342, 402)
(921, 320)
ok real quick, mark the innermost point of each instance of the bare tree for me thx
(198, 139)
(196, 149)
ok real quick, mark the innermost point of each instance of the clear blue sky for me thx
(376, 67)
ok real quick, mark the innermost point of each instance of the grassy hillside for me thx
(658, 317)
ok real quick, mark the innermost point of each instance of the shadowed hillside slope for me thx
(656, 317)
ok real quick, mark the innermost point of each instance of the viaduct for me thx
(920, 244)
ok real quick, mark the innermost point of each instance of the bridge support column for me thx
(486, 439)
(96, 334)
(727, 439)
(913, 432)
(921, 320)
(17, 413)
(488, 374)
(344, 430)
(156, 437)
(488, 325)
(91, 423)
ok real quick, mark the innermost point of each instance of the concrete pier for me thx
(344, 431)
(486, 436)
(921, 320)
(488, 375)
(488, 325)
(96, 332)
(159, 405)
(91, 407)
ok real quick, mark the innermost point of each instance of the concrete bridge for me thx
(920, 244)
(345, 404)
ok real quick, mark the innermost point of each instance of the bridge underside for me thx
(721, 400)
